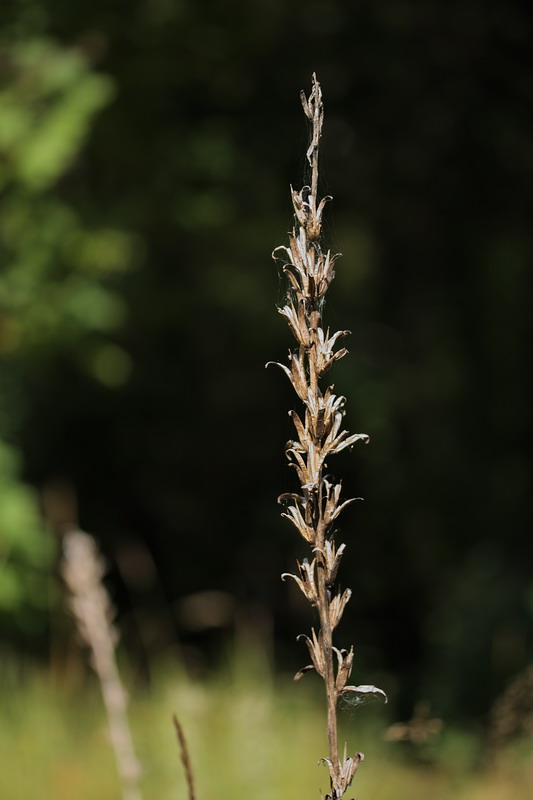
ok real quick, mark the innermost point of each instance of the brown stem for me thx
(315, 114)
(331, 691)
(185, 758)
(323, 607)
(323, 594)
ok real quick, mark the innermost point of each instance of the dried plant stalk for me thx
(185, 758)
(83, 569)
(310, 271)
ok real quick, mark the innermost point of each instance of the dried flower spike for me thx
(83, 570)
(318, 435)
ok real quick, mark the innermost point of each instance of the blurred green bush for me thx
(55, 284)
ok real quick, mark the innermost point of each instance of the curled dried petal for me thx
(316, 651)
(294, 514)
(345, 661)
(332, 559)
(341, 442)
(348, 769)
(306, 581)
(337, 606)
(301, 672)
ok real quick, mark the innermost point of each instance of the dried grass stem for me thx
(185, 758)
(83, 570)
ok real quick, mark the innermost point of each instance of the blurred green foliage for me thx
(248, 735)
(26, 552)
(54, 266)
(54, 287)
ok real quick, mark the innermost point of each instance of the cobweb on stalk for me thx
(350, 702)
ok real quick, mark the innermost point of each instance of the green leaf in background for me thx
(55, 283)
(27, 549)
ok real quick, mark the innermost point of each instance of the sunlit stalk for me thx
(310, 271)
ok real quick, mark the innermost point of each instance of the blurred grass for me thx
(250, 735)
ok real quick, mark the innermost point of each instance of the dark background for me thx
(163, 419)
